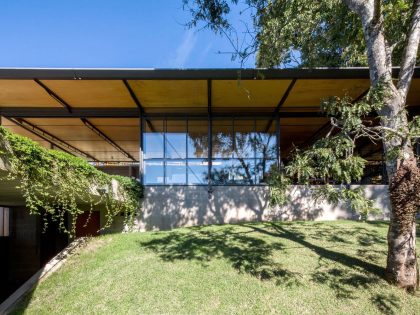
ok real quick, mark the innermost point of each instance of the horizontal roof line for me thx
(186, 74)
(133, 113)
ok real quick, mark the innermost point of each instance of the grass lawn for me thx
(259, 268)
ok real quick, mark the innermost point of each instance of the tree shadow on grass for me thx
(245, 253)
(343, 273)
(346, 274)
(388, 304)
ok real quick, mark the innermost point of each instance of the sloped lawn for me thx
(259, 268)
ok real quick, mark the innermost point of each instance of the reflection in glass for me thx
(233, 171)
(221, 173)
(263, 170)
(175, 151)
(265, 139)
(175, 139)
(243, 171)
(244, 137)
(222, 137)
(197, 172)
(197, 139)
(176, 172)
(153, 172)
(153, 139)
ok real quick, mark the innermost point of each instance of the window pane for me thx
(176, 137)
(244, 138)
(265, 139)
(222, 138)
(197, 172)
(243, 171)
(197, 138)
(153, 172)
(153, 139)
(221, 173)
(263, 170)
(176, 172)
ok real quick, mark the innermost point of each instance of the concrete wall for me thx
(176, 206)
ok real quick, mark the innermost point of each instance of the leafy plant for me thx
(56, 184)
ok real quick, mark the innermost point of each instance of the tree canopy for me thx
(303, 33)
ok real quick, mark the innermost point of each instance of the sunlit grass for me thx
(285, 268)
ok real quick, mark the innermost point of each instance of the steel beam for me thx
(43, 112)
(63, 145)
(92, 127)
(189, 74)
(281, 102)
(54, 95)
(133, 96)
(88, 123)
(210, 138)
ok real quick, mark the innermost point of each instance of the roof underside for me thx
(94, 113)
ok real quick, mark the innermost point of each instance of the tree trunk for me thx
(403, 173)
(402, 267)
(404, 185)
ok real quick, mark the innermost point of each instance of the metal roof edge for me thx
(186, 74)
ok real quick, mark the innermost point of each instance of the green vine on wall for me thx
(57, 185)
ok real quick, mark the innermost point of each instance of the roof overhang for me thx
(96, 111)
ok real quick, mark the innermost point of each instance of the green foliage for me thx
(330, 165)
(328, 158)
(55, 184)
(278, 183)
(354, 198)
(303, 33)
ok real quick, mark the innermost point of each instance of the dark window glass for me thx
(4, 222)
(197, 171)
(176, 172)
(153, 172)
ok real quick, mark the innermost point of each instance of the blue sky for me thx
(107, 33)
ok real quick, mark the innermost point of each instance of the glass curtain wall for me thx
(176, 151)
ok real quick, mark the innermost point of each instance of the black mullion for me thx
(186, 151)
(164, 150)
(255, 150)
(278, 158)
(141, 151)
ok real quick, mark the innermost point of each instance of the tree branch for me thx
(377, 12)
(363, 8)
(410, 52)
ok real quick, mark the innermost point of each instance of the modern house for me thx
(201, 141)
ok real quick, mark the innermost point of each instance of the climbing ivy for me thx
(57, 185)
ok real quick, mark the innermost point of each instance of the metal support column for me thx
(278, 149)
(210, 140)
(141, 149)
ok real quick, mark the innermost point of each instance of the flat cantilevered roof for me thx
(94, 113)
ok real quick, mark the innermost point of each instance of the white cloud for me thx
(184, 50)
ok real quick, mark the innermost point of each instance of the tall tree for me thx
(373, 33)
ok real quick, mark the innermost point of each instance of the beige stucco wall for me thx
(176, 206)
